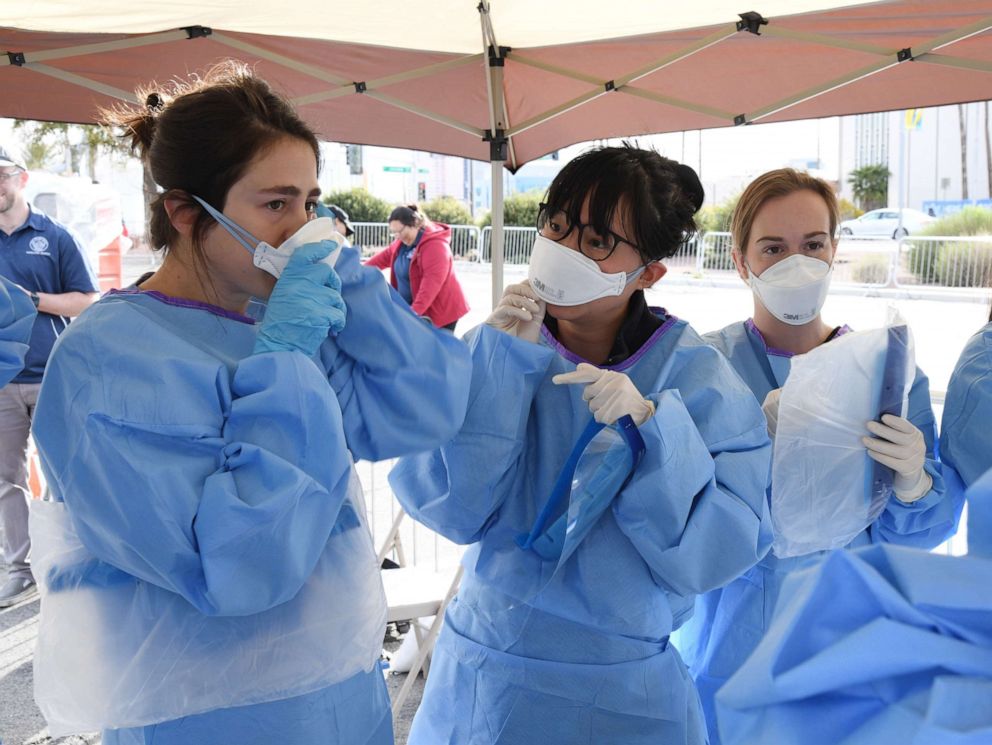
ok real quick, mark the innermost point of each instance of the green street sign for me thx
(397, 169)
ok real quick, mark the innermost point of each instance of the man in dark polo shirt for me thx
(47, 261)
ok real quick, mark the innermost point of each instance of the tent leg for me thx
(496, 245)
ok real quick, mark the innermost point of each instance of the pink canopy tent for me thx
(509, 80)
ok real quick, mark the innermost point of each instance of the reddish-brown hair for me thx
(778, 183)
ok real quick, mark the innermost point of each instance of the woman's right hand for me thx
(520, 312)
(305, 305)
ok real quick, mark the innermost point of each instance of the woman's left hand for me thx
(610, 394)
(900, 445)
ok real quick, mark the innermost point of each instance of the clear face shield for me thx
(599, 466)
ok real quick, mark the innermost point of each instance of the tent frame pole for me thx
(499, 143)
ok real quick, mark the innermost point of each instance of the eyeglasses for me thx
(7, 175)
(554, 224)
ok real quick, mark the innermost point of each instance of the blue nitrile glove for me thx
(305, 305)
(324, 211)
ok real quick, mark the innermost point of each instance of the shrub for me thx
(969, 221)
(519, 210)
(871, 270)
(922, 258)
(448, 210)
(716, 217)
(361, 205)
(955, 264)
(848, 210)
(965, 264)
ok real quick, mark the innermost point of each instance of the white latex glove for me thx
(770, 408)
(520, 312)
(899, 445)
(610, 394)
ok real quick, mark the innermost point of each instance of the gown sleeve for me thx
(696, 509)
(402, 384)
(932, 519)
(220, 486)
(456, 489)
(965, 444)
(17, 314)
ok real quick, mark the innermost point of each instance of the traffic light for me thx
(421, 191)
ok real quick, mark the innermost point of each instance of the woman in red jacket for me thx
(422, 269)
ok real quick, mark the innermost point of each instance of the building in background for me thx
(923, 150)
(403, 176)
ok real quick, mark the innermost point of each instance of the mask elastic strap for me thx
(239, 234)
(631, 276)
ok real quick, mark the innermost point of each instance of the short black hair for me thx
(659, 196)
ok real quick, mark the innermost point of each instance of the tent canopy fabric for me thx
(508, 80)
(419, 75)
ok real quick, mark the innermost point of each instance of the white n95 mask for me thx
(561, 276)
(794, 289)
(273, 260)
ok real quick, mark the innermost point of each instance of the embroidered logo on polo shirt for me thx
(38, 246)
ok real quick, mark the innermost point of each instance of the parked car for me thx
(885, 223)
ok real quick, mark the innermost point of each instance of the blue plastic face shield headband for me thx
(269, 258)
(522, 566)
(597, 469)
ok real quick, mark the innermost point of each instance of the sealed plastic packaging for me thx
(599, 466)
(115, 651)
(825, 488)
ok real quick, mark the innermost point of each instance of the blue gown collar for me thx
(668, 321)
(185, 303)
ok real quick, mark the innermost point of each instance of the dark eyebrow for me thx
(779, 238)
(289, 191)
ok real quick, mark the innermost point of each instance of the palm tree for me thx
(988, 143)
(870, 185)
(963, 127)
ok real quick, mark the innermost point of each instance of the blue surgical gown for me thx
(587, 660)
(965, 444)
(729, 622)
(214, 492)
(17, 314)
(882, 644)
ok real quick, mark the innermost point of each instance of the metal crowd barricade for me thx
(465, 241)
(517, 244)
(375, 236)
(713, 252)
(372, 236)
(944, 261)
(914, 261)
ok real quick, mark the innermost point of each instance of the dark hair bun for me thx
(690, 183)
(154, 102)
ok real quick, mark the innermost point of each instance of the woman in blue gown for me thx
(965, 445)
(906, 658)
(17, 314)
(576, 650)
(784, 229)
(206, 569)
